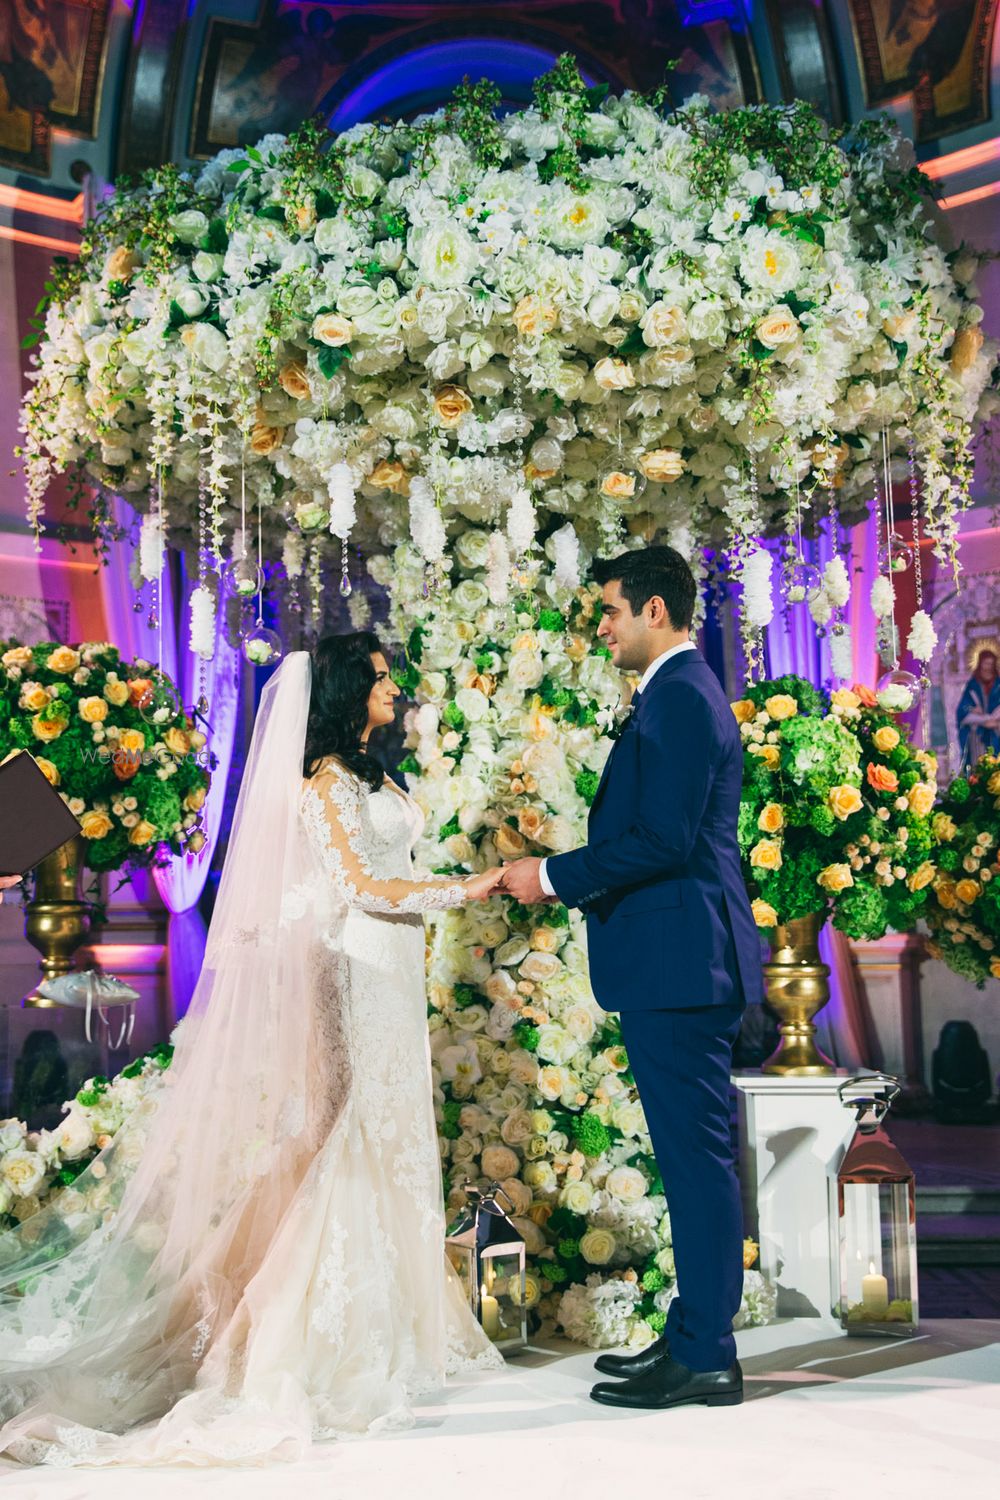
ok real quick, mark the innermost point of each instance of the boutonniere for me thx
(613, 720)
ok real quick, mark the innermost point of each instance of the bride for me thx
(257, 1260)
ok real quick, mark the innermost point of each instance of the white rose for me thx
(540, 1175)
(577, 1197)
(191, 299)
(540, 967)
(473, 704)
(206, 266)
(598, 1246)
(512, 951)
(525, 670)
(11, 1135)
(555, 1044)
(74, 1135)
(472, 548)
(206, 343)
(627, 1184)
(188, 226)
(470, 597)
(629, 1118)
(603, 306)
(445, 255)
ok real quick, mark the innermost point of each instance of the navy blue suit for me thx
(675, 950)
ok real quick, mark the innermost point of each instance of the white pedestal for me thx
(793, 1134)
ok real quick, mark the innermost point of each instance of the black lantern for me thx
(873, 1220)
(489, 1255)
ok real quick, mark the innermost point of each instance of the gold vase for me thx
(57, 920)
(797, 987)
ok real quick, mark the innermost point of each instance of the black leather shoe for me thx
(628, 1365)
(670, 1383)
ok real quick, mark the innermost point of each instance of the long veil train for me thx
(128, 1300)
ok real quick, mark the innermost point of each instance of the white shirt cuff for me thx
(543, 879)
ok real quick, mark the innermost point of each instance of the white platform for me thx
(827, 1417)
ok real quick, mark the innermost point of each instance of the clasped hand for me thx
(519, 879)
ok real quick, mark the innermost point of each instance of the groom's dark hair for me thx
(648, 572)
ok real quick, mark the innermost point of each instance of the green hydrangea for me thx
(591, 1135)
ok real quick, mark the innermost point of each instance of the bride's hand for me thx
(480, 887)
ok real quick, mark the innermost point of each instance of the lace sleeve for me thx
(337, 802)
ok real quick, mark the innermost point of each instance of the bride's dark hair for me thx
(342, 679)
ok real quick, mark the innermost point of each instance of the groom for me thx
(674, 949)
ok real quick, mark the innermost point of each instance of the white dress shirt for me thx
(644, 682)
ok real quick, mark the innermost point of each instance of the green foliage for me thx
(591, 1134)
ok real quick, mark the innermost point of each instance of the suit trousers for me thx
(681, 1061)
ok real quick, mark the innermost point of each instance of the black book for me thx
(34, 819)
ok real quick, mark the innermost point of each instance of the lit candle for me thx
(489, 1309)
(874, 1293)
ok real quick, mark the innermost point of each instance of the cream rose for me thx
(577, 1197)
(835, 878)
(333, 330)
(598, 1246)
(766, 855)
(95, 825)
(74, 1135)
(627, 1184)
(781, 706)
(265, 439)
(510, 844)
(779, 326)
(764, 913)
(618, 485)
(921, 798)
(614, 374)
(844, 800)
(116, 693)
(390, 476)
(92, 710)
(22, 1172)
(294, 381)
(499, 1162)
(885, 739)
(18, 656)
(121, 263)
(663, 465)
(533, 317)
(143, 833)
(663, 325)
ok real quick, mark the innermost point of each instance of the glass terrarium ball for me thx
(262, 647)
(243, 577)
(900, 552)
(898, 691)
(622, 482)
(157, 700)
(804, 583)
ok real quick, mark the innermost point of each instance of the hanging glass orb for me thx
(243, 577)
(900, 552)
(898, 691)
(157, 699)
(262, 647)
(804, 583)
(621, 481)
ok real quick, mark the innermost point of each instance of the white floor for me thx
(828, 1418)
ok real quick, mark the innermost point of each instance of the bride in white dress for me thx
(257, 1260)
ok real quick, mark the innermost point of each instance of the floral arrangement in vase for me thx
(111, 737)
(964, 912)
(836, 815)
(37, 1165)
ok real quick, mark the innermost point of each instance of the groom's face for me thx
(626, 635)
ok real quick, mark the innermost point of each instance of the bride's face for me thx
(382, 699)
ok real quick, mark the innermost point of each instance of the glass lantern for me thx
(489, 1256)
(873, 1221)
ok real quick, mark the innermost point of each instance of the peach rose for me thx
(140, 691)
(545, 939)
(121, 263)
(965, 349)
(510, 843)
(264, 438)
(899, 326)
(945, 891)
(766, 855)
(922, 876)
(294, 381)
(143, 832)
(64, 659)
(885, 739)
(614, 374)
(764, 913)
(967, 891)
(116, 693)
(532, 471)
(530, 820)
(48, 770)
(533, 317)
(618, 485)
(846, 699)
(126, 764)
(391, 476)
(663, 325)
(744, 710)
(772, 818)
(881, 779)
(18, 656)
(781, 706)
(92, 710)
(451, 404)
(835, 878)
(777, 327)
(34, 697)
(844, 800)
(333, 330)
(132, 740)
(95, 825)
(663, 465)
(921, 798)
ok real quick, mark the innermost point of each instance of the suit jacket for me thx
(668, 919)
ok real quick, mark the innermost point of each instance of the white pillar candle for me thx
(489, 1309)
(874, 1293)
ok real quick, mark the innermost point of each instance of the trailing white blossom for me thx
(521, 520)
(426, 522)
(842, 654)
(758, 600)
(883, 596)
(204, 625)
(498, 569)
(923, 637)
(837, 582)
(340, 484)
(150, 546)
(566, 545)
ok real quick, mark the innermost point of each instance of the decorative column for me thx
(793, 1135)
(888, 972)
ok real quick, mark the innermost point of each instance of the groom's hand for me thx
(521, 881)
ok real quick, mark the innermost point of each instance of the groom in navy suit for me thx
(673, 948)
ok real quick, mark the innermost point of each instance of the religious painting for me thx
(51, 62)
(963, 708)
(937, 50)
(398, 59)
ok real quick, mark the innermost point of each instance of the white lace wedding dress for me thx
(249, 1337)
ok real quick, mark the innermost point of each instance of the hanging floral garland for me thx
(596, 308)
